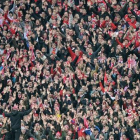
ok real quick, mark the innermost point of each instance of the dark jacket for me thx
(15, 118)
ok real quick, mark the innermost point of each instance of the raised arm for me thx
(14, 7)
(1, 11)
(25, 112)
(94, 55)
(95, 11)
(97, 51)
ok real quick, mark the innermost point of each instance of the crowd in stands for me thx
(69, 70)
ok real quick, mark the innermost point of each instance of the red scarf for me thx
(66, 7)
(53, 51)
(3, 137)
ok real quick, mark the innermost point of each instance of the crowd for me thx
(69, 69)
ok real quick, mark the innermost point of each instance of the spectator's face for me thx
(5, 28)
(89, 18)
(107, 18)
(10, 14)
(14, 16)
(129, 101)
(82, 31)
(118, 18)
(118, 7)
(119, 28)
(37, 22)
(115, 119)
(23, 131)
(132, 19)
(75, 20)
(70, 32)
(111, 138)
(117, 51)
(19, 95)
(43, 49)
(97, 101)
(37, 9)
(96, 132)
(84, 12)
(81, 125)
(130, 4)
(69, 133)
(129, 107)
(124, 137)
(84, 37)
(12, 49)
(68, 138)
(18, 87)
(135, 6)
(77, 53)
(103, 9)
(101, 137)
(87, 137)
(95, 61)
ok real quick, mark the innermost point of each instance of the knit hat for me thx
(58, 134)
(73, 121)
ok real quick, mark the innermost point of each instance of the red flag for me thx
(105, 78)
(52, 70)
(81, 133)
(61, 92)
(3, 115)
(101, 86)
(129, 62)
(3, 138)
(32, 55)
(64, 79)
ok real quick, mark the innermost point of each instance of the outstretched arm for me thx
(25, 112)
(7, 114)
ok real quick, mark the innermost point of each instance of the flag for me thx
(101, 86)
(73, 121)
(96, 127)
(105, 78)
(129, 63)
(1, 68)
(85, 122)
(88, 131)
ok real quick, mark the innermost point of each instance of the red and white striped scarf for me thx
(131, 63)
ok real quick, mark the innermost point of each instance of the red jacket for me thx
(117, 40)
(133, 24)
(73, 55)
(81, 133)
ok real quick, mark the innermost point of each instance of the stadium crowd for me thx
(69, 69)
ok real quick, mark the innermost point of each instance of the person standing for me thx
(15, 118)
